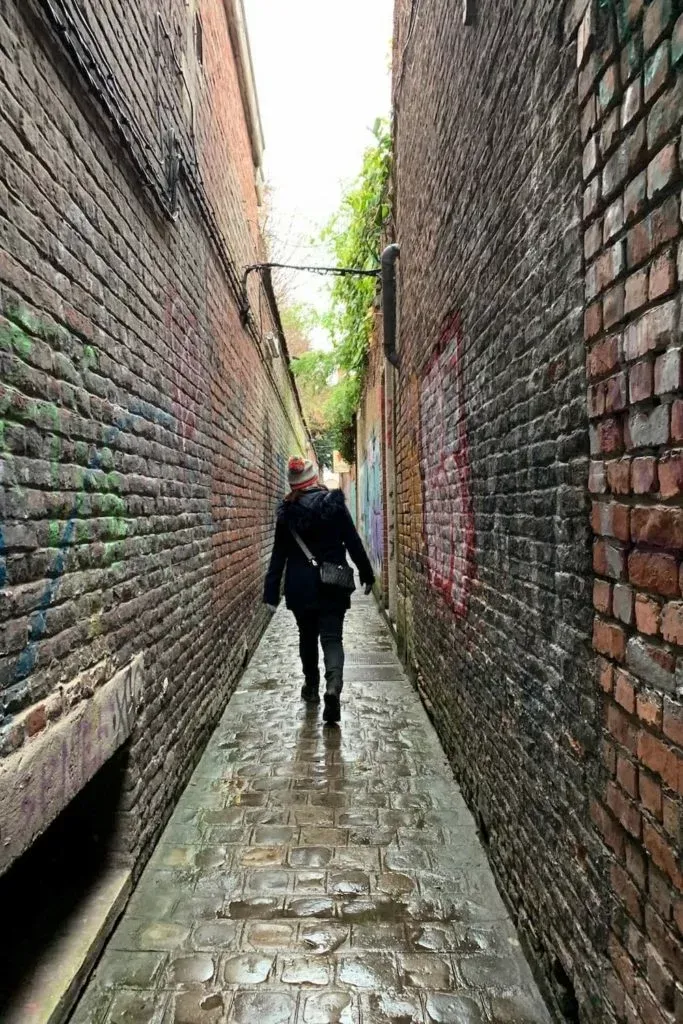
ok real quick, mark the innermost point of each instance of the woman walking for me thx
(313, 533)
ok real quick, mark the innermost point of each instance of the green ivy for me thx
(354, 237)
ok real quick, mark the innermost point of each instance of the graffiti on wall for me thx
(96, 506)
(351, 500)
(38, 781)
(447, 500)
(372, 508)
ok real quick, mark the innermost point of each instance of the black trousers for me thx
(329, 627)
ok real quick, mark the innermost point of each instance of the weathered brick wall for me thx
(551, 143)
(492, 450)
(144, 431)
(630, 91)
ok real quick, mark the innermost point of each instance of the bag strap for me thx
(311, 558)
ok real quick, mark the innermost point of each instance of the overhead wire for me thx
(412, 21)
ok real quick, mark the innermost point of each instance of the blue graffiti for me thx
(352, 499)
(26, 661)
(373, 509)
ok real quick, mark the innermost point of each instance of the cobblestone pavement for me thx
(316, 875)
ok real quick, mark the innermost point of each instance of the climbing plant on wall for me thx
(354, 236)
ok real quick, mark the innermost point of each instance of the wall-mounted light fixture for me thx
(468, 12)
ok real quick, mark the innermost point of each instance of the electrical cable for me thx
(414, 7)
(332, 271)
(161, 26)
(67, 30)
(338, 271)
(102, 80)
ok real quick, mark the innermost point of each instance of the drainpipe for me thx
(389, 257)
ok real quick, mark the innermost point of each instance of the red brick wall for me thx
(144, 431)
(630, 91)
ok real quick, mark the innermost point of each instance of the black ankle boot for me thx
(310, 692)
(332, 712)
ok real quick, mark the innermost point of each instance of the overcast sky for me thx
(323, 77)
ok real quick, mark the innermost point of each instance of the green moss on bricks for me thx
(89, 357)
(106, 458)
(111, 482)
(95, 625)
(53, 414)
(111, 528)
(22, 344)
(113, 505)
(83, 531)
(5, 336)
(29, 321)
(81, 452)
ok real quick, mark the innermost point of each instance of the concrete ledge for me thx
(43, 776)
(49, 994)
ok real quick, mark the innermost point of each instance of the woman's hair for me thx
(295, 495)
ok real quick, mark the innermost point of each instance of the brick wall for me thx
(538, 395)
(494, 604)
(630, 93)
(144, 431)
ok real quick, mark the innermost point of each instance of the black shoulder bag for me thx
(330, 574)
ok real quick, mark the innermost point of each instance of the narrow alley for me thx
(317, 876)
(284, 285)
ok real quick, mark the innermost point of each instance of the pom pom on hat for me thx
(301, 474)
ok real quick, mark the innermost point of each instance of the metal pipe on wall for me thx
(389, 257)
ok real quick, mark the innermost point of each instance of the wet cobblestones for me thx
(317, 876)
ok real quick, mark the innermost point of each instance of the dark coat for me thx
(323, 521)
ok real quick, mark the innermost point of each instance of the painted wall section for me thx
(370, 448)
(445, 469)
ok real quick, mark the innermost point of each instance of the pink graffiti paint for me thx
(448, 521)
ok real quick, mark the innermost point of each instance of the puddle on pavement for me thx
(247, 969)
(192, 970)
(324, 939)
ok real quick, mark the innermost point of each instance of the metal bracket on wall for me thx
(468, 12)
